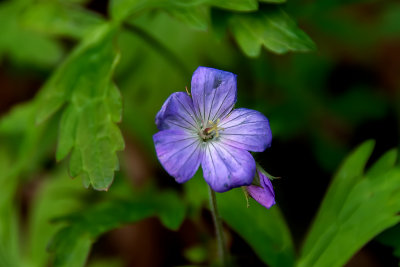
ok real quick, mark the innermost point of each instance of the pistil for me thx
(210, 130)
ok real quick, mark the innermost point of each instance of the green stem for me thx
(159, 47)
(222, 251)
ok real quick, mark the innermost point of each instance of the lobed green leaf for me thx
(88, 125)
(270, 27)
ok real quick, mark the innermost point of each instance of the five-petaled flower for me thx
(204, 129)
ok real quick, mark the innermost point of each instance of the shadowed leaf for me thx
(88, 124)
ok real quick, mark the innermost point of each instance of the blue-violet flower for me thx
(204, 129)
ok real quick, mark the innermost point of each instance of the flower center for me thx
(210, 130)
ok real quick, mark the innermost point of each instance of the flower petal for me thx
(226, 167)
(246, 129)
(265, 194)
(214, 93)
(179, 152)
(177, 111)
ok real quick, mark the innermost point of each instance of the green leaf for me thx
(66, 138)
(88, 67)
(121, 9)
(9, 234)
(97, 139)
(23, 147)
(265, 230)
(54, 192)
(236, 5)
(170, 210)
(28, 143)
(71, 245)
(347, 176)
(344, 222)
(385, 163)
(272, 1)
(41, 51)
(88, 124)
(270, 27)
(196, 17)
(60, 19)
(186, 10)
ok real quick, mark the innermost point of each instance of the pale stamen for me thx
(210, 130)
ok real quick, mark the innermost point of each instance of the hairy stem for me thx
(222, 251)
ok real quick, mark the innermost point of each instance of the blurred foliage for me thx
(266, 232)
(60, 19)
(149, 48)
(71, 244)
(15, 37)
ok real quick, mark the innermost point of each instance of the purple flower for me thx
(261, 190)
(205, 129)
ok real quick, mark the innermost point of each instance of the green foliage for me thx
(270, 27)
(238, 5)
(197, 17)
(27, 144)
(41, 51)
(9, 247)
(23, 147)
(265, 230)
(87, 125)
(55, 191)
(344, 222)
(60, 19)
(122, 9)
(71, 244)
(272, 1)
